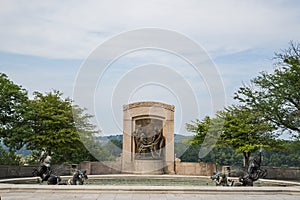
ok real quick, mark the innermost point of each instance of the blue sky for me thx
(43, 45)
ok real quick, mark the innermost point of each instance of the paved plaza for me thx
(142, 192)
(55, 192)
(38, 195)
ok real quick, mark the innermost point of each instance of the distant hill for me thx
(106, 139)
(101, 139)
(178, 137)
(22, 151)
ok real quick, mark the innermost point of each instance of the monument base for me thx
(148, 138)
(148, 167)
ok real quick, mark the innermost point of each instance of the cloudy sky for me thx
(45, 45)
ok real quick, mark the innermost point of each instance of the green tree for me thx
(277, 95)
(191, 154)
(53, 127)
(46, 121)
(114, 147)
(236, 128)
(93, 150)
(288, 156)
(181, 147)
(207, 134)
(9, 158)
(13, 110)
(200, 128)
(246, 131)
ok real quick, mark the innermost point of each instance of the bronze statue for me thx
(221, 179)
(254, 172)
(45, 173)
(44, 169)
(149, 142)
(78, 178)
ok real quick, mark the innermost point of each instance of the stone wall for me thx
(181, 168)
(280, 173)
(15, 171)
(283, 173)
(94, 168)
(192, 168)
(26, 171)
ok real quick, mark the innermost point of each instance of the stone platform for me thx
(32, 192)
(70, 192)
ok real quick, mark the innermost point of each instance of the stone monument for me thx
(148, 138)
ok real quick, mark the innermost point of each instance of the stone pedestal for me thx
(148, 138)
(149, 166)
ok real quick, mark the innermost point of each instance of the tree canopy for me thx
(271, 102)
(13, 111)
(9, 158)
(287, 156)
(277, 95)
(246, 131)
(239, 128)
(46, 121)
(53, 126)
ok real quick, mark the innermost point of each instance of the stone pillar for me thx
(169, 148)
(153, 114)
(128, 151)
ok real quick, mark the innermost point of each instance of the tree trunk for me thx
(246, 160)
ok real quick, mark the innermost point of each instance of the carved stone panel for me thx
(148, 139)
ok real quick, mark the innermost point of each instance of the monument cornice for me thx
(148, 104)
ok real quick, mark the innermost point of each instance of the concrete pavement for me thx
(42, 195)
(139, 192)
(70, 192)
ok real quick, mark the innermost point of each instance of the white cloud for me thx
(71, 29)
